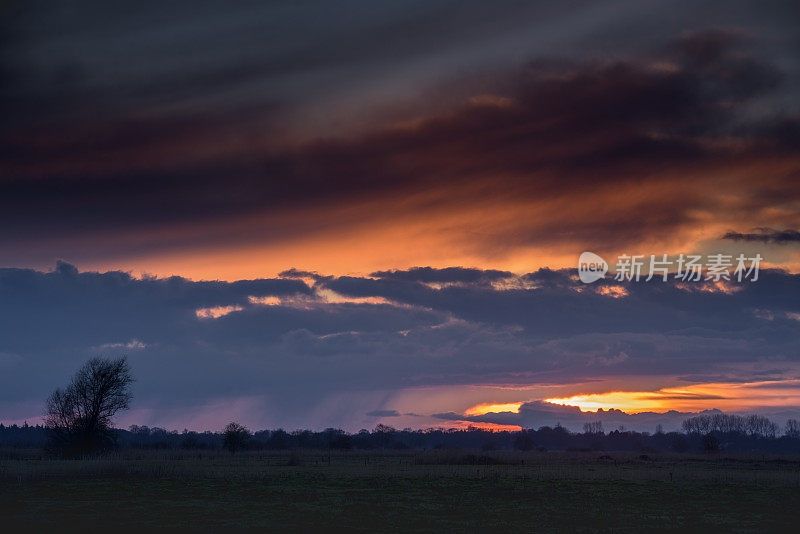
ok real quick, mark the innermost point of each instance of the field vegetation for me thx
(402, 490)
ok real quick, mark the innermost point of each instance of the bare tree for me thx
(79, 417)
(710, 443)
(524, 441)
(793, 428)
(595, 427)
(753, 425)
(236, 437)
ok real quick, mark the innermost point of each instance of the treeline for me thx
(718, 432)
(751, 425)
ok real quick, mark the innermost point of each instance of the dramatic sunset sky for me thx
(339, 214)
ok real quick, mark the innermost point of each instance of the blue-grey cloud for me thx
(298, 351)
(383, 413)
(765, 235)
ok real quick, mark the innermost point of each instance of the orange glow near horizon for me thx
(473, 227)
(695, 397)
(481, 409)
(350, 255)
(492, 427)
(627, 401)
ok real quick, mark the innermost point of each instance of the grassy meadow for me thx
(404, 491)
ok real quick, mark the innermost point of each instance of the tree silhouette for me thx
(793, 428)
(524, 441)
(79, 417)
(710, 443)
(595, 427)
(235, 437)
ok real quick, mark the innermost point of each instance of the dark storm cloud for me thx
(560, 309)
(765, 235)
(107, 151)
(90, 308)
(449, 274)
(298, 348)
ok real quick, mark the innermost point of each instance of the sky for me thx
(315, 214)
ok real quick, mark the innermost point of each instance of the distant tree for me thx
(302, 437)
(701, 424)
(79, 417)
(595, 427)
(278, 439)
(190, 440)
(678, 442)
(759, 426)
(793, 428)
(383, 435)
(235, 437)
(524, 441)
(337, 439)
(710, 443)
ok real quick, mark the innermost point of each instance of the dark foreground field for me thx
(423, 492)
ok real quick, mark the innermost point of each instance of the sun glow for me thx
(491, 427)
(627, 401)
(482, 409)
(695, 397)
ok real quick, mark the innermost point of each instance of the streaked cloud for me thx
(765, 235)
(506, 166)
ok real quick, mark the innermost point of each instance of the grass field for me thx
(399, 492)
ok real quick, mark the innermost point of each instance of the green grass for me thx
(553, 492)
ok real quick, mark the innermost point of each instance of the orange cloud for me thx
(216, 312)
(481, 409)
(695, 397)
(514, 182)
